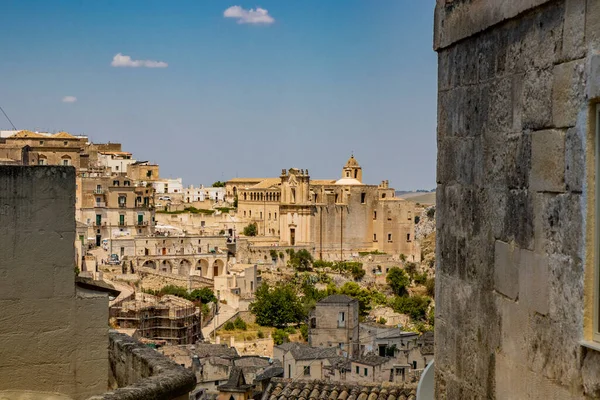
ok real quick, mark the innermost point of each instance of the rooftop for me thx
(302, 351)
(337, 299)
(371, 359)
(236, 382)
(283, 389)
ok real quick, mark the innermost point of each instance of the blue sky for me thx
(304, 87)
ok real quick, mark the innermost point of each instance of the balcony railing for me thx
(122, 223)
(99, 191)
(122, 205)
(142, 223)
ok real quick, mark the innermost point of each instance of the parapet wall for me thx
(50, 339)
(139, 372)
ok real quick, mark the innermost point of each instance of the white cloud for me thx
(120, 60)
(69, 99)
(251, 16)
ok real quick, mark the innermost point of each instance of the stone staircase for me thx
(225, 314)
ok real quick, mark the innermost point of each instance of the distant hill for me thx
(401, 192)
(423, 197)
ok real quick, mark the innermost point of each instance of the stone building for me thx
(334, 323)
(337, 218)
(170, 318)
(517, 282)
(32, 148)
(114, 205)
(143, 171)
(203, 256)
(301, 361)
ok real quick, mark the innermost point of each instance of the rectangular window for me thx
(409, 215)
(307, 371)
(374, 237)
(363, 197)
(374, 215)
(389, 237)
(115, 183)
(357, 370)
(341, 319)
(366, 372)
(121, 220)
(275, 216)
(408, 237)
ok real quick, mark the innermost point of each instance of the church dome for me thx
(352, 162)
(348, 181)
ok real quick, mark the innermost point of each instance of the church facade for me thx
(337, 218)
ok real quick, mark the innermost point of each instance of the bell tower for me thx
(352, 170)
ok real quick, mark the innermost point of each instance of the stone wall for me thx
(517, 81)
(139, 372)
(51, 338)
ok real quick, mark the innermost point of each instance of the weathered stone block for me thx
(533, 281)
(536, 99)
(518, 218)
(592, 22)
(573, 45)
(590, 372)
(506, 271)
(568, 93)
(593, 82)
(574, 160)
(547, 161)
(513, 316)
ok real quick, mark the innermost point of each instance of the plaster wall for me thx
(52, 339)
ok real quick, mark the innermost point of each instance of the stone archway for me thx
(166, 266)
(149, 264)
(202, 267)
(185, 267)
(218, 266)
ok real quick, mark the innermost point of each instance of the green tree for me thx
(363, 296)
(431, 213)
(240, 324)
(280, 336)
(410, 268)
(277, 306)
(251, 230)
(304, 331)
(398, 281)
(430, 286)
(301, 260)
(204, 295)
(415, 306)
(229, 326)
(235, 201)
(218, 184)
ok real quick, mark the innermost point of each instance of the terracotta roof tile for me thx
(284, 389)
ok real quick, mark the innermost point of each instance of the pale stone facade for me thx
(335, 218)
(113, 206)
(334, 323)
(516, 222)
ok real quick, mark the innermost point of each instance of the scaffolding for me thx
(173, 324)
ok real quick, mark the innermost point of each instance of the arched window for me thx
(65, 160)
(245, 196)
(42, 160)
